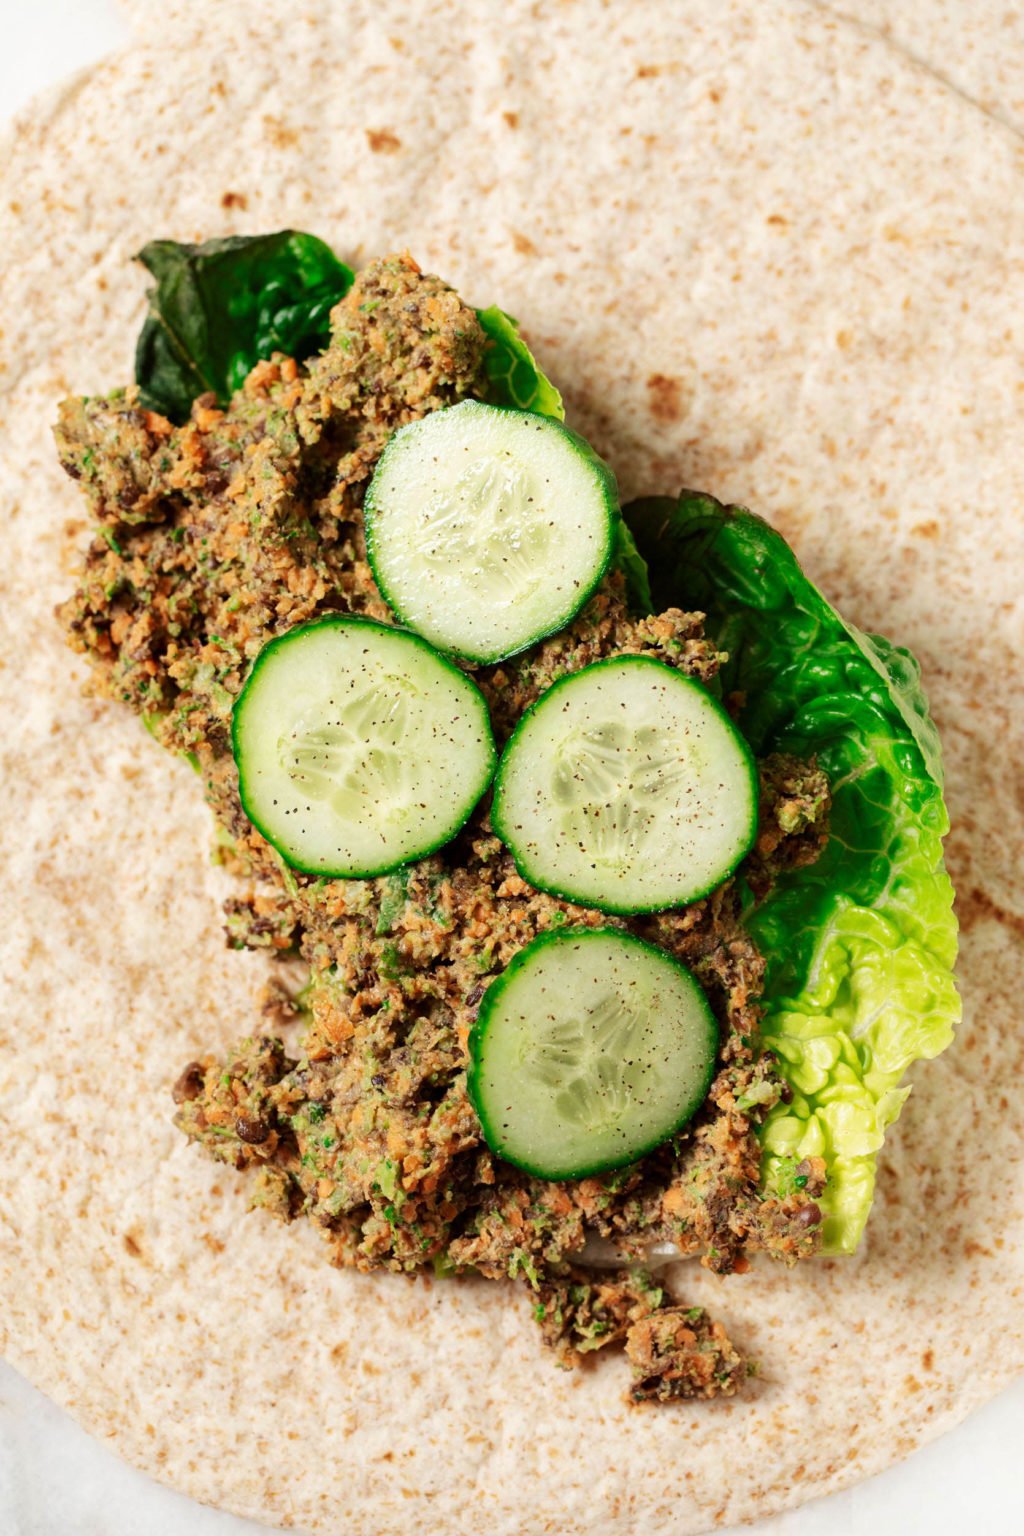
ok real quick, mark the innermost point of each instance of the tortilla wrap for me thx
(761, 253)
(977, 54)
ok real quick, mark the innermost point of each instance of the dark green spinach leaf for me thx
(217, 308)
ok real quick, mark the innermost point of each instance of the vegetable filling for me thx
(349, 1102)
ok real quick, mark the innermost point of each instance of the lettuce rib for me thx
(860, 946)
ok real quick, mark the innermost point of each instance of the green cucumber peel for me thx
(332, 723)
(647, 1049)
(418, 484)
(516, 379)
(525, 755)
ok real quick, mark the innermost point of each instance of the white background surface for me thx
(55, 1481)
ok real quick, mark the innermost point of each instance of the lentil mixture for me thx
(212, 538)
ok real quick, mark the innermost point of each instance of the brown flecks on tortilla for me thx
(234, 200)
(975, 905)
(383, 141)
(929, 529)
(523, 244)
(281, 134)
(665, 397)
(511, 118)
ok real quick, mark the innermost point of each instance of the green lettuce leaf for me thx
(217, 308)
(514, 376)
(860, 946)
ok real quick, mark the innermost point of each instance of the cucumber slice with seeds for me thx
(591, 1049)
(626, 787)
(488, 528)
(358, 747)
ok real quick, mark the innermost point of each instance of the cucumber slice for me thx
(358, 747)
(488, 528)
(591, 1049)
(626, 787)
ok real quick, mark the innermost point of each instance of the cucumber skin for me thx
(609, 907)
(478, 1035)
(605, 476)
(347, 619)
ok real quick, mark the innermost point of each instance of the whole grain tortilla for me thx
(761, 252)
(977, 51)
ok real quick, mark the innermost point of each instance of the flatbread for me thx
(762, 253)
(977, 51)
